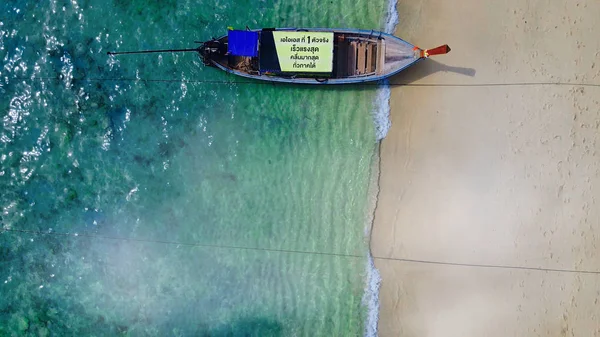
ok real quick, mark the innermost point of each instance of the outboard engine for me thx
(210, 50)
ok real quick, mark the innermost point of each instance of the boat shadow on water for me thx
(426, 68)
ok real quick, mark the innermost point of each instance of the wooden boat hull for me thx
(393, 55)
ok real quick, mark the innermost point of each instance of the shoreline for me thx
(497, 175)
(382, 124)
(373, 276)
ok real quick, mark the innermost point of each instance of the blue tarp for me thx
(242, 43)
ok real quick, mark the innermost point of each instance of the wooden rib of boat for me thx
(309, 56)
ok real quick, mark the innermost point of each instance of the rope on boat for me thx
(152, 51)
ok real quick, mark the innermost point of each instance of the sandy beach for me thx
(505, 174)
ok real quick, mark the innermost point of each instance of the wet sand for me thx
(494, 175)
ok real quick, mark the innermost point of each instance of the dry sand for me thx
(493, 175)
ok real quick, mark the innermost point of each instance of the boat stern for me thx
(211, 51)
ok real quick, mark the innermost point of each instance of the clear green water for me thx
(251, 179)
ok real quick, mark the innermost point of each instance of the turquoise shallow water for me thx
(177, 208)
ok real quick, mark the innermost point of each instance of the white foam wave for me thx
(381, 111)
(371, 294)
(392, 17)
(381, 118)
(371, 298)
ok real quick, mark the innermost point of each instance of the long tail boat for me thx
(308, 56)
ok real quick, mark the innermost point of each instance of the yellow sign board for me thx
(304, 52)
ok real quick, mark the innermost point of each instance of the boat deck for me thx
(356, 57)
